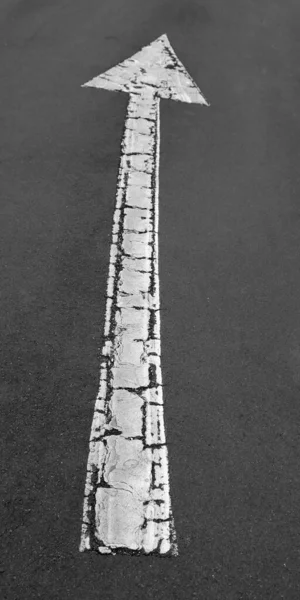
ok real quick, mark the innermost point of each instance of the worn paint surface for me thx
(156, 66)
(127, 507)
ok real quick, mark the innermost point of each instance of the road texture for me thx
(230, 289)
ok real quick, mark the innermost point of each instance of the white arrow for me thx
(127, 506)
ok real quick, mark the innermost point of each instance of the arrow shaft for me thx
(127, 499)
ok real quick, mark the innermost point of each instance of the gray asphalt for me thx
(230, 283)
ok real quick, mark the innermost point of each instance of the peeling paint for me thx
(127, 505)
(128, 424)
(156, 67)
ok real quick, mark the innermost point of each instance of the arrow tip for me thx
(156, 66)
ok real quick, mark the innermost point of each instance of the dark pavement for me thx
(230, 284)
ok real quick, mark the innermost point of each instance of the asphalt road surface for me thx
(230, 287)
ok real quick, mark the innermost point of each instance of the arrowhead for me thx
(155, 66)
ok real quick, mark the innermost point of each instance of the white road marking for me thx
(127, 507)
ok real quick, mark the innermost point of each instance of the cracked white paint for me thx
(155, 65)
(127, 503)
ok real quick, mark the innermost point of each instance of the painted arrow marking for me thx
(127, 507)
